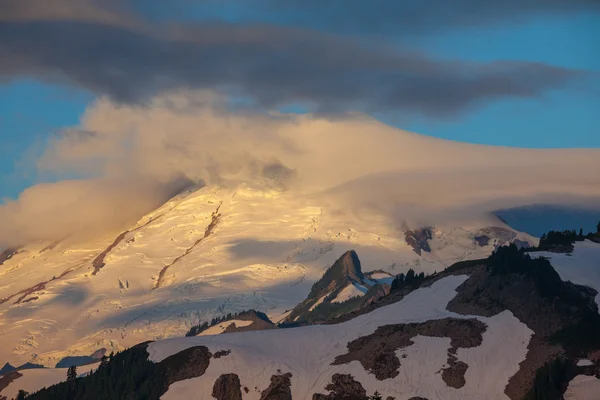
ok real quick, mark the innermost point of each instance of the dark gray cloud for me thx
(271, 65)
(366, 17)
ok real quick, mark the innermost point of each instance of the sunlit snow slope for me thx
(206, 252)
(308, 353)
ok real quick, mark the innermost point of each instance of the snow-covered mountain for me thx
(506, 327)
(206, 252)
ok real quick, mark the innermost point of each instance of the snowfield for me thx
(205, 253)
(307, 352)
(583, 387)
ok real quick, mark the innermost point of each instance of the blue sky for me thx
(31, 109)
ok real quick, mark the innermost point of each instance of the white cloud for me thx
(136, 156)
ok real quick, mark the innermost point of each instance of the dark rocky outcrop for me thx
(214, 220)
(227, 387)
(376, 293)
(563, 316)
(7, 254)
(419, 238)
(345, 271)
(7, 378)
(377, 351)
(7, 368)
(98, 262)
(279, 389)
(189, 363)
(454, 374)
(343, 386)
(482, 240)
(221, 353)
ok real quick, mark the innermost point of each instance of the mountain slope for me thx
(205, 253)
(506, 327)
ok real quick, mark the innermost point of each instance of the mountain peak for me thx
(349, 266)
(345, 273)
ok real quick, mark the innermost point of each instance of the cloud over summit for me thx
(131, 158)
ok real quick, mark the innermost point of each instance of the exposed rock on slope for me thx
(563, 316)
(418, 239)
(377, 352)
(445, 353)
(7, 378)
(279, 389)
(342, 288)
(343, 386)
(227, 387)
(7, 368)
(262, 249)
(7, 255)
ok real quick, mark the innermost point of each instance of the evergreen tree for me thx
(72, 373)
(103, 361)
(22, 395)
(598, 228)
(376, 396)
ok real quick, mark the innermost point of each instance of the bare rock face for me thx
(9, 377)
(345, 271)
(343, 386)
(7, 255)
(563, 316)
(454, 375)
(482, 240)
(418, 239)
(227, 387)
(279, 389)
(377, 351)
(376, 293)
(187, 364)
(221, 353)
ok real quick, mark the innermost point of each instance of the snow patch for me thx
(317, 303)
(220, 328)
(583, 387)
(350, 291)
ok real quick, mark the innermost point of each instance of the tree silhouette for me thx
(72, 373)
(376, 396)
(22, 395)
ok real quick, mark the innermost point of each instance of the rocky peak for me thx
(349, 266)
(344, 271)
(7, 368)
